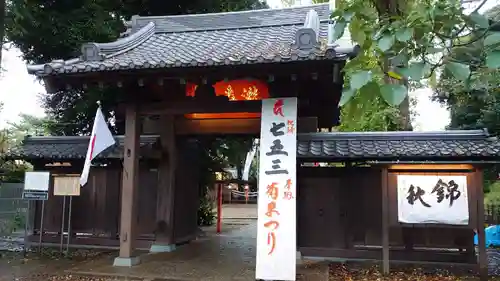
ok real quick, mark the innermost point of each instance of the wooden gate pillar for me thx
(164, 233)
(130, 182)
(481, 237)
(385, 221)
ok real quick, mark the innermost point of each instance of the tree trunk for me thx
(404, 112)
(2, 29)
(388, 9)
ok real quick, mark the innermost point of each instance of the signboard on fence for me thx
(433, 199)
(36, 185)
(276, 230)
(66, 185)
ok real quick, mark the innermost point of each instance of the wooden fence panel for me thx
(97, 210)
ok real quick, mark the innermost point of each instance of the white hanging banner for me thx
(433, 199)
(276, 231)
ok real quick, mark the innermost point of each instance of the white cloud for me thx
(18, 90)
(431, 116)
(274, 3)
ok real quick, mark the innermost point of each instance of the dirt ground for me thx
(51, 265)
(367, 272)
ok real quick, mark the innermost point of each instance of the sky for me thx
(19, 91)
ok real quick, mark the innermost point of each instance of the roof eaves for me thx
(398, 135)
(35, 140)
(405, 159)
(98, 51)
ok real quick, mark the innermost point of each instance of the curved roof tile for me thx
(248, 37)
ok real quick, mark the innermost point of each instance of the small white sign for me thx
(433, 199)
(37, 181)
(276, 230)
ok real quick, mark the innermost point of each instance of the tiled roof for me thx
(72, 147)
(390, 146)
(248, 37)
(402, 146)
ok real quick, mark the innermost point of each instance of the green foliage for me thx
(475, 103)
(410, 40)
(206, 213)
(394, 94)
(217, 154)
(209, 162)
(28, 125)
(234, 152)
(13, 171)
(18, 221)
(493, 196)
(369, 111)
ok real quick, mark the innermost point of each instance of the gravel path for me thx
(494, 262)
(11, 244)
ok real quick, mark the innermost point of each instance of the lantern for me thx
(235, 90)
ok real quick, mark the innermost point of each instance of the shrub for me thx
(206, 213)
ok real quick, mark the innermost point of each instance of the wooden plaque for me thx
(66, 186)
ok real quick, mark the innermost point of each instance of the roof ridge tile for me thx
(230, 20)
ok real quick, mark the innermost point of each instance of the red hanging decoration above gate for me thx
(235, 90)
(191, 89)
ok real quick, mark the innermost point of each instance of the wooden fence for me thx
(96, 212)
(12, 208)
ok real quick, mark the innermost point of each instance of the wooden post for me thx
(165, 205)
(219, 206)
(130, 183)
(481, 239)
(385, 221)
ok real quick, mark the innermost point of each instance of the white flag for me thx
(100, 139)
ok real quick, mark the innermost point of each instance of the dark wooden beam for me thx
(234, 126)
(166, 186)
(481, 236)
(298, 69)
(400, 256)
(217, 126)
(385, 220)
(197, 106)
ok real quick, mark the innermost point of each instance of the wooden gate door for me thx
(319, 213)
